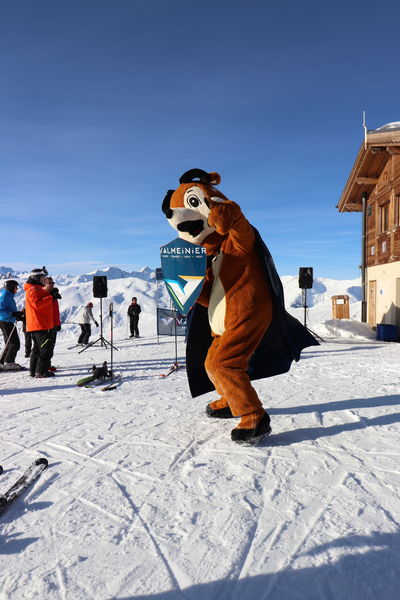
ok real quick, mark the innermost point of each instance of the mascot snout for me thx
(194, 228)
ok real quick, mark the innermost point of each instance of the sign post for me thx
(184, 269)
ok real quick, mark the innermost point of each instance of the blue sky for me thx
(104, 104)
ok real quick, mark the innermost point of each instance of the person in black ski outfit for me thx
(9, 314)
(133, 313)
(28, 338)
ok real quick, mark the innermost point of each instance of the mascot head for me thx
(187, 208)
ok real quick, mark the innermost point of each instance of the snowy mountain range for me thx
(77, 290)
(61, 279)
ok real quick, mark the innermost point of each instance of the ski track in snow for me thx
(147, 498)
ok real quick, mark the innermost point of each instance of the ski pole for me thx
(2, 357)
(111, 309)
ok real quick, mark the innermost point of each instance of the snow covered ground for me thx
(147, 498)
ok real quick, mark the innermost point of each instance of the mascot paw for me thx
(242, 434)
(218, 410)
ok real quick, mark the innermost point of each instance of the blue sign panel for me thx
(170, 322)
(184, 267)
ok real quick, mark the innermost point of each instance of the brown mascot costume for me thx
(238, 329)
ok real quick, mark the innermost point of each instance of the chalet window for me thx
(384, 246)
(372, 250)
(384, 217)
(397, 211)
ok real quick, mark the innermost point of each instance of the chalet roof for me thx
(375, 151)
(395, 126)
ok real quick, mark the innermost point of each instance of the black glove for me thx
(58, 328)
(96, 323)
(56, 294)
(19, 315)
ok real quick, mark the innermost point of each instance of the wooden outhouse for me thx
(341, 307)
(373, 188)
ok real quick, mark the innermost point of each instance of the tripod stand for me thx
(304, 298)
(111, 313)
(101, 338)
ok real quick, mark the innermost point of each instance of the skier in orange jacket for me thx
(39, 321)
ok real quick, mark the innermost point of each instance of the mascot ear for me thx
(165, 205)
(195, 174)
(215, 178)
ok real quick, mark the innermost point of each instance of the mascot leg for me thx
(226, 365)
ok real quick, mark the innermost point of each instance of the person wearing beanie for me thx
(9, 314)
(86, 315)
(134, 311)
(39, 321)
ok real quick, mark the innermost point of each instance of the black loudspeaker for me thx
(100, 286)
(305, 278)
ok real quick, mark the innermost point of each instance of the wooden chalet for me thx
(373, 188)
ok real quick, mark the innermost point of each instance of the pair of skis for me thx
(99, 376)
(97, 373)
(116, 379)
(31, 474)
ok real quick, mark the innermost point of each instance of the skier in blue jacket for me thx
(9, 314)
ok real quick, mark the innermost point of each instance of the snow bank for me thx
(345, 329)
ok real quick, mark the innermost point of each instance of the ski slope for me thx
(147, 498)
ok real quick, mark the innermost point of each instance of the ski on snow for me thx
(100, 375)
(112, 385)
(173, 368)
(31, 474)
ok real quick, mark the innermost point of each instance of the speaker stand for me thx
(304, 294)
(101, 338)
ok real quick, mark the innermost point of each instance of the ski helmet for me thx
(90, 304)
(36, 274)
(11, 285)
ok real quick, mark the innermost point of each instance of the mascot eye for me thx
(193, 201)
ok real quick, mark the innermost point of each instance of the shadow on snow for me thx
(363, 568)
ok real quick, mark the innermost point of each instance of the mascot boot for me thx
(238, 329)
